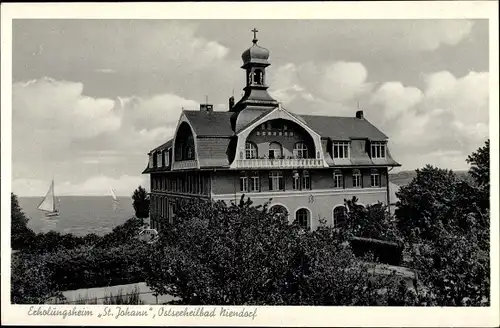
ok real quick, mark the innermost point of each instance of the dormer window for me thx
(341, 149)
(151, 160)
(250, 150)
(378, 149)
(155, 160)
(167, 157)
(159, 160)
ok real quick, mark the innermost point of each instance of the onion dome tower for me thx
(256, 99)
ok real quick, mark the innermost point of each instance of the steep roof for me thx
(166, 145)
(343, 128)
(210, 124)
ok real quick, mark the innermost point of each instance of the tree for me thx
(244, 254)
(21, 235)
(454, 268)
(480, 165)
(480, 172)
(141, 202)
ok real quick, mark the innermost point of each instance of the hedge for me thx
(384, 251)
(82, 267)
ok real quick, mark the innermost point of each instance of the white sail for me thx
(116, 203)
(113, 194)
(48, 204)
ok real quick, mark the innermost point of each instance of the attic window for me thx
(341, 149)
(378, 149)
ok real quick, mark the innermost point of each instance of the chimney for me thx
(359, 114)
(231, 102)
(206, 107)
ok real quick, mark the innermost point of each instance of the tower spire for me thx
(255, 35)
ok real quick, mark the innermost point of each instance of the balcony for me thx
(289, 163)
(184, 165)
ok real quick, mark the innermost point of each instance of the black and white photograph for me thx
(215, 168)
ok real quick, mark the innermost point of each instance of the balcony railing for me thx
(291, 163)
(182, 165)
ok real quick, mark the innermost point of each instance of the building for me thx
(304, 163)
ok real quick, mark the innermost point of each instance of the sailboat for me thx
(116, 203)
(48, 205)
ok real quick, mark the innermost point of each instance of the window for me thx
(339, 216)
(341, 150)
(306, 180)
(300, 150)
(190, 152)
(167, 157)
(276, 181)
(375, 178)
(356, 179)
(250, 183)
(159, 159)
(279, 210)
(275, 150)
(296, 181)
(338, 179)
(244, 184)
(254, 183)
(378, 149)
(302, 217)
(155, 160)
(250, 150)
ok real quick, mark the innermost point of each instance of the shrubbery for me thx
(37, 277)
(241, 254)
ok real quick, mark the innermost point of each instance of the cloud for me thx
(105, 70)
(320, 86)
(448, 115)
(57, 130)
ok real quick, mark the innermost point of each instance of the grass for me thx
(120, 298)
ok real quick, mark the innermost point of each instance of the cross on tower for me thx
(255, 35)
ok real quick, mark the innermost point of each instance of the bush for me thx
(37, 277)
(241, 255)
(383, 251)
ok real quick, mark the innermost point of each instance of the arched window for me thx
(279, 210)
(300, 150)
(258, 77)
(250, 150)
(338, 179)
(275, 150)
(339, 216)
(303, 218)
(356, 179)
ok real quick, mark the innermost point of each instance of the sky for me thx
(92, 97)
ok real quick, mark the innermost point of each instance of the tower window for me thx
(356, 178)
(250, 150)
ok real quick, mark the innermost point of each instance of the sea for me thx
(79, 215)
